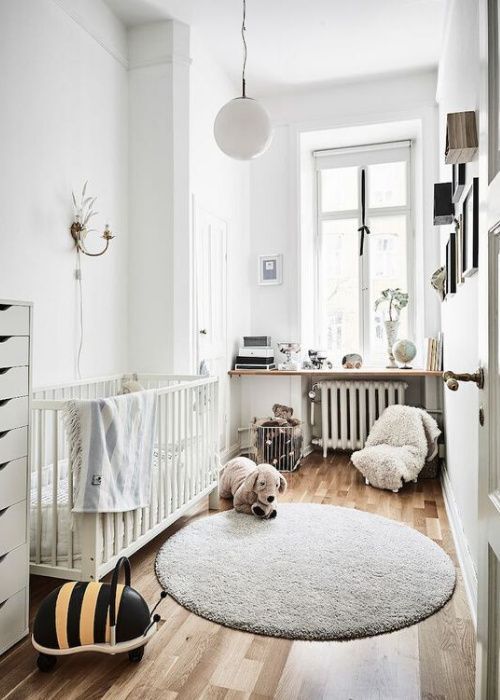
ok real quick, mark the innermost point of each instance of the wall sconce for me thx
(84, 212)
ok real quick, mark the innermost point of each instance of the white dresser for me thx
(15, 391)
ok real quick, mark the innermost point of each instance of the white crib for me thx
(86, 546)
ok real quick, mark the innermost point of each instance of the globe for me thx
(404, 351)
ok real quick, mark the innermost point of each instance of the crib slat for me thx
(187, 483)
(159, 490)
(116, 534)
(169, 451)
(55, 486)
(137, 512)
(190, 457)
(174, 452)
(70, 513)
(199, 447)
(180, 470)
(208, 410)
(166, 448)
(39, 453)
(207, 436)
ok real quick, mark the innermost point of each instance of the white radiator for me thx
(349, 409)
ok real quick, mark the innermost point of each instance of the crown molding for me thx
(85, 25)
(159, 43)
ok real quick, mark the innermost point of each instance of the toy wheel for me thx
(136, 655)
(45, 662)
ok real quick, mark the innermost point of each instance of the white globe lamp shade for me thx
(243, 129)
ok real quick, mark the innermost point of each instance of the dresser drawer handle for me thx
(4, 370)
(4, 402)
(5, 338)
(4, 307)
(3, 465)
(3, 603)
(3, 557)
(3, 433)
(3, 511)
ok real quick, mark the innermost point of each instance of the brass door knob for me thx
(451, 379)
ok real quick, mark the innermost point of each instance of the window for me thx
(347, 283)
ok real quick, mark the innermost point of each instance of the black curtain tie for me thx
(363, 228)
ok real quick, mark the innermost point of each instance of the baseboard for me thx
(463, 553)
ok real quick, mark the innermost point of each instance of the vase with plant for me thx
(394, 300)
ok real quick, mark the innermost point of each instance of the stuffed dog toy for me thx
(254, 488)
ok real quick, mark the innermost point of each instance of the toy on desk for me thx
(352, 361)
(110, 618)
(289, 349)
(318, 359)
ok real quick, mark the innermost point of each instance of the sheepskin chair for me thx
(398, 445)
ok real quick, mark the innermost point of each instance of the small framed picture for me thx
(458, 181)
(270, 269)
(451, 261)
(470, 230)
(459, 249)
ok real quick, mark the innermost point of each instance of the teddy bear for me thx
(254, 488)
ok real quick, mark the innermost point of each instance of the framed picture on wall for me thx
(470, 231)
(459, 248)
(270, 269)
(451, 262)
(457, 181)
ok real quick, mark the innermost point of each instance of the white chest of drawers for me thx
(15, 391)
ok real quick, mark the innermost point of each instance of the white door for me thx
(210, 240)
(488, 629)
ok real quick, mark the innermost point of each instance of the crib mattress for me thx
(63, 526)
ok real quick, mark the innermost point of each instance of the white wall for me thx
(275, 192)
(160, 273)
(63, 120)
(220, 186)
(458, 90)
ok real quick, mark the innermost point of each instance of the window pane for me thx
(339, 189)
(387, 184)
(387, 241)
(340, 288)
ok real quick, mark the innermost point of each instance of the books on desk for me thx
(434, 353)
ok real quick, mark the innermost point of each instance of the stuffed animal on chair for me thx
(254, 488)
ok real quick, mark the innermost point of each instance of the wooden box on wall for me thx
(461, 137)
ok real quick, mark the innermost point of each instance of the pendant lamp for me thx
(242, 127)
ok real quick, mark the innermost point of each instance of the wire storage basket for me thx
(277, 442)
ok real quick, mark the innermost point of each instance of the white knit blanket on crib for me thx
(111, 446)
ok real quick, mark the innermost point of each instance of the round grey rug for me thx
(315, 572)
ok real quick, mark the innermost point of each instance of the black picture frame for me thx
(457, 181)
(470, 213)
(444, 209)
(451, 262)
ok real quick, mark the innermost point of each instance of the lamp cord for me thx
(245, 50)
(80, 296)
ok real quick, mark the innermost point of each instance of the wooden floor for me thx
(193, 658)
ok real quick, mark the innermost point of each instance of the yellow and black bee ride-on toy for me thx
(110, 618)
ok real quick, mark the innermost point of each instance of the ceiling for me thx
(296, 43)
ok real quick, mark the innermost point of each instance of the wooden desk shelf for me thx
(361, 374)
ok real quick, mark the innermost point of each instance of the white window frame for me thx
(361, 157)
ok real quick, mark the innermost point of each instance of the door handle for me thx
(451, 379)
(203, 331)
